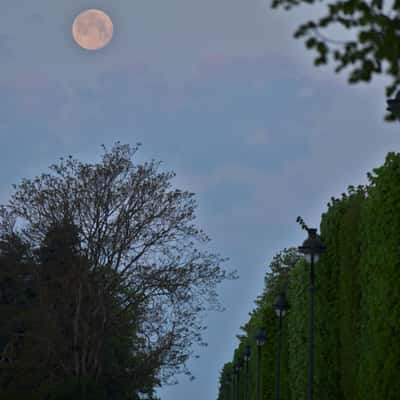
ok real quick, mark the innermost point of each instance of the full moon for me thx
(92, 29)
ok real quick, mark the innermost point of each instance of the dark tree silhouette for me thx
(118, 270)
(378, 38)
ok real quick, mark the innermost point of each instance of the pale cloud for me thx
(31, 98)
(175, 37)
(339, 153)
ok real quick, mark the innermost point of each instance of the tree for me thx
(17, 302)
(378, 38)
(52, 359)
(136, 245)
(71, 303)
(277, 280)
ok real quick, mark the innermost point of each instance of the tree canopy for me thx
(120, 285)
(378, 33)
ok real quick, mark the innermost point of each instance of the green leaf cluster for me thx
(378, 39)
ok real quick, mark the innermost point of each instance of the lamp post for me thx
(235, 381)
(312, 248)
(228, 388)
(234, 373)
(247, 355)
(260, 340)
(232, 386)
(280, 307)
(238, 366)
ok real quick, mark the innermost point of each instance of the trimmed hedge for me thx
(357, 303)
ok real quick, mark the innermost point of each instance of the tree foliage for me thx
(277, 279)
(356, 330)
(121, 286)
(378, 38)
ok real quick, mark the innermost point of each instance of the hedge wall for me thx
(357, 303)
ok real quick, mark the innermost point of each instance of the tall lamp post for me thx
(260, 340)
(312, 248)
(234, 376)
(228, 382)
(238, 366)
(232, 384)
(247, 355)
(235, 381)
(280, 307)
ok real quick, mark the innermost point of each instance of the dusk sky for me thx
(222, 94)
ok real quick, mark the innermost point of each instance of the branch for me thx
(302, 224)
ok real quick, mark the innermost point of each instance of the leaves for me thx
(378, 39)
(115, 250)
(356, 347)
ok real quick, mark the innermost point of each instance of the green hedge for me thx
(357, 303)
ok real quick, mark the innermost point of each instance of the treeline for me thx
(357, 305)
(102, 288)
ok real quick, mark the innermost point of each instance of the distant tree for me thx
(378, 38)
(133, 266)
(277, 279)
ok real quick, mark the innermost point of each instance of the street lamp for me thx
(312, 248)
(247, 355)
(260, 340)
(238, 366)
(235, 381)
(280, 307)
(233, 384)
(228, 382)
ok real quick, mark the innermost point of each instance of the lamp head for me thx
(260, 337)
(312, 247)
(247, 353)
(281, 304)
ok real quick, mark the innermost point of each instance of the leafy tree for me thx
(17, 301)
(120, 278)
(378, 38)
(277, 279)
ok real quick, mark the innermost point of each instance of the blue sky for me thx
(222, 94)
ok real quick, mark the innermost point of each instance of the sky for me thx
(223, 95)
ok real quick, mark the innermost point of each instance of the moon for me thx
(92, 29)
